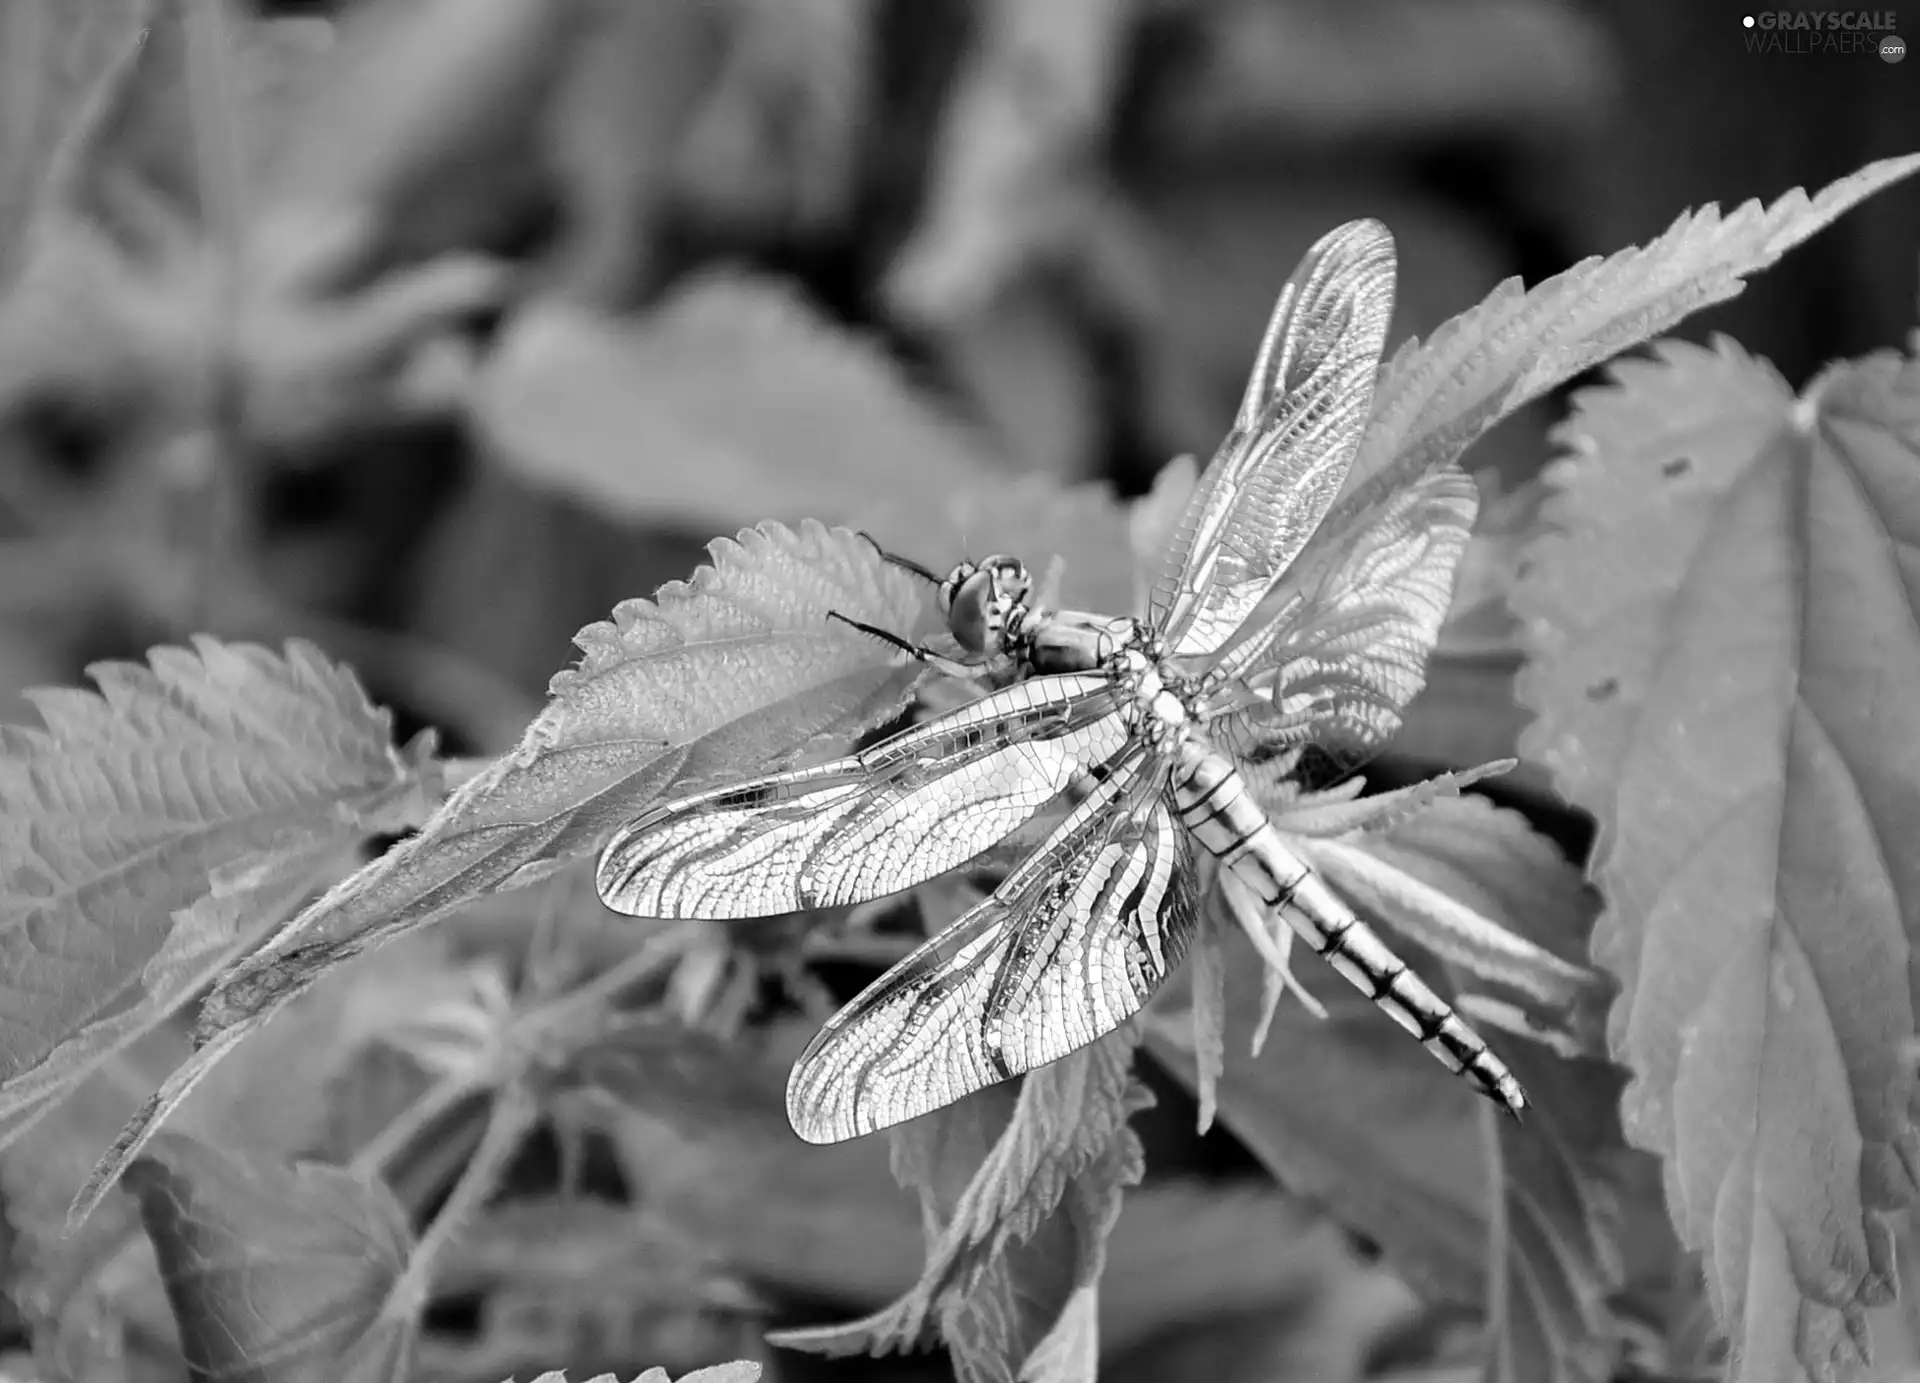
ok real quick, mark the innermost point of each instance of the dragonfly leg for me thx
(904, 563)
(918, 651)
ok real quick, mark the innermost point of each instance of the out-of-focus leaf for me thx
(1352, 1112)
(588, 1281)
(1016, 173)
(701, 1129)
(1154, 518)
(83, 1294)
(1466, 713)
(1026, 365)
(150, 823)
(57, 60)
(1260, 80)
(87, 1299)
(276, 1273)
(1563, 1174)
(1019, 1194)
(280, 1094)
(730, 672)
(1723, 655)
(131, 270)
(1191, 1254)
(1480, 624)
(412, 110)
(1033, 518)
(775, 145)
(730, 402)
(203, 939)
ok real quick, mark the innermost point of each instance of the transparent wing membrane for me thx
(897, 814)
(1292, 442)
(1072, 944)
(1333, 658)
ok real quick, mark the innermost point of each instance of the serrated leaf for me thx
(1723, 652)
(739, 1371)
(1434, 397)
(713, 678)
(1350, 1112)
(663, 700)
(276, 1274)
(1208, 969)
(732, 401)
(204, 938)
(1019, 1194)
(229, 771)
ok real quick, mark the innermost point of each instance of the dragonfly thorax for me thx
(1161, 702)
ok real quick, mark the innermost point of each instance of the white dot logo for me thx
(1747, 22)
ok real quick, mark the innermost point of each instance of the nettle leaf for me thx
(733, 400)
(1207, 968)
(203, 939)
(1435, 397)
(1723, 656)
(152, 825)
(716, 677)
(1019, 1194)
(1353, 1113)
(274, 1272)
(1437, 878)
(739, 1371)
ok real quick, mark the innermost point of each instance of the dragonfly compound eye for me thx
(971, 602)
(957, 579)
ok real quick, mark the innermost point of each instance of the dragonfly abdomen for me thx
(1213, 803)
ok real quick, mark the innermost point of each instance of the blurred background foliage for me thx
(430, 329)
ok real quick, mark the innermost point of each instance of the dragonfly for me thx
(1123, 737)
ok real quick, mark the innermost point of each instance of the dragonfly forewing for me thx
(1296, 434)
(898, 814)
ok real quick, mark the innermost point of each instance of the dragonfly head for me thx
(983, 602)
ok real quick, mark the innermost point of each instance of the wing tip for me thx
(809, 1122)
(1365, 236)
